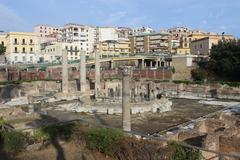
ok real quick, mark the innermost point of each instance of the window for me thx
(75, 53)
(71, 53)
(16, 58)
(53, 49)
(23, 41)
(195, 46)
(15, 49)
(71, 48)
(41, 35)
(76, 48)
(15, 41)
(31, 50)
(31, 41)
(66, 47)
(185, 44)
(24, 58)
(2, 43)
(31, 58)
(24, 50)
(200, 45)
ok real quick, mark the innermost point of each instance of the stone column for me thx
(143, 65)
(97, 74)
(64, 71)
(151, 64)
(126, 117)
(83, 82)
(111, 64)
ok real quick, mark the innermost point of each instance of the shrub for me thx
(41, 135)
(184, 153)
(53, 131)
(103, 139)
(13, 141)
(199, 74)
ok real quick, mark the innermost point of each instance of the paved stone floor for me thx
(183, 110)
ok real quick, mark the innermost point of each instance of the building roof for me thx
(206, 38)
(22, 33)
(150, 34)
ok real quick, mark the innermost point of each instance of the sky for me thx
(209, 15)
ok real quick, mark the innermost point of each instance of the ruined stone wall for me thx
(229, 144)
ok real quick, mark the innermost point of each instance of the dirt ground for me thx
(67, 151)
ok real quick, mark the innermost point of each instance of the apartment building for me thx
(179, 32)
(53, 52)
(22, 47)
(151, 42)
(84, 35)
(47, 33)
(124, 32)
(113, 48)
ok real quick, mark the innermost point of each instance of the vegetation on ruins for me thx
(103, 139)
(107, 141)
(2, 49)
(12, 141)
(183, 153)
(224, 63)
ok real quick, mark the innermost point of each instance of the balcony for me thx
(24, 43)
(15, 43)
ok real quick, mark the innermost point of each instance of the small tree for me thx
(2, 49)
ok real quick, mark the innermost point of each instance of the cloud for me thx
(138, 21)
(116, 17)
(9, 20)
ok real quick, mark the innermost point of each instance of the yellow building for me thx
(185, 42)
(203, 46)
(3, 38)
(113, 48)
(22, 47)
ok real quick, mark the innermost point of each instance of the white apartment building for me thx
(47, 33)
(53, 53)
(107, 34)
(82, 34)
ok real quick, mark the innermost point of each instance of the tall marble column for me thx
(126, 117)
(83, 82)
(64, 71)
(97, 74)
